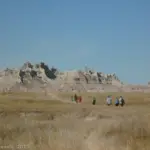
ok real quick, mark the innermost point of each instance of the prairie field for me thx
(33, 121)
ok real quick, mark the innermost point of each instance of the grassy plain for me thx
(32, 121)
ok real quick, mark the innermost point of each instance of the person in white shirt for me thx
(109, 100)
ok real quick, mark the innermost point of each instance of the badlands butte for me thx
(41, 78)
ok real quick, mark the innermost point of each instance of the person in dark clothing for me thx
(94, 101)
(117, 101)
(76, 98)
(122, 101)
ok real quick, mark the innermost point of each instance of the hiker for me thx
(117, 101)
(75, 98)
(94, 101)
(121, 101)
(109, 100)
(72, 98)
(80, 99)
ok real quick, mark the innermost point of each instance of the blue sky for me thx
(109, 36)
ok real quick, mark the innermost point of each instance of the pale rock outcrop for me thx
(40, 77)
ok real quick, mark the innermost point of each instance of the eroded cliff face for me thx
(36, 77)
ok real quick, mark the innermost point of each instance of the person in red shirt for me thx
(80, 99)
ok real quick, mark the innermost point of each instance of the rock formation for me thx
(40, 77)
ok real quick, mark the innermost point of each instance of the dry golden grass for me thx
(36, 124)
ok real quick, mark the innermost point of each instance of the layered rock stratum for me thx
(39, 77)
